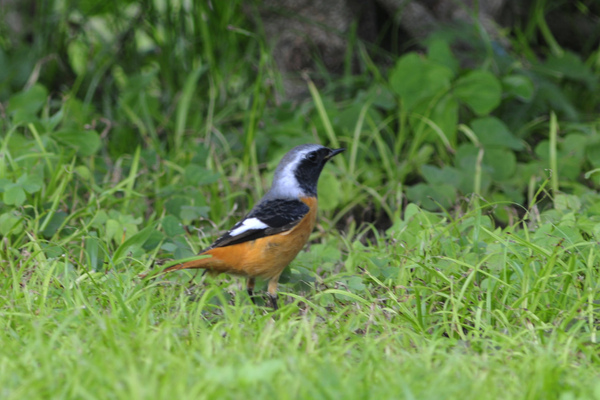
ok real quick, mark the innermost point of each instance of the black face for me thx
(310, 167)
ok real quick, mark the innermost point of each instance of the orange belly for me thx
(265, 257)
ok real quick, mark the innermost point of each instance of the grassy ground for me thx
(433, 308)
(410, 287)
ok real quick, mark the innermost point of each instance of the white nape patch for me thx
(247, 225)
(285, 183)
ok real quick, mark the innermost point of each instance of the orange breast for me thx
(265, 257)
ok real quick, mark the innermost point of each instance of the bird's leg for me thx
(272, 292)
(195, 275)
(190, 288)
(250, 288)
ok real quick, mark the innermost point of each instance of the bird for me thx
(272, 234)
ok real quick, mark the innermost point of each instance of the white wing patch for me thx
(247, 225)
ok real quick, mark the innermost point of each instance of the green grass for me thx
(456, 251)
(434, 329)
(436, 307)
(121, 341)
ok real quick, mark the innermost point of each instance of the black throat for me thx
(307, 173)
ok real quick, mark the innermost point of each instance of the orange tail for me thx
(201, 263)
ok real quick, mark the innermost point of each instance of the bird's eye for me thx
(312, 157)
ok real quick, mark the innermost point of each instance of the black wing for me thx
(279, 216)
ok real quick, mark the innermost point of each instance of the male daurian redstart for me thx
(264, 242)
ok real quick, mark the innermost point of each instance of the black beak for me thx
(333, 153)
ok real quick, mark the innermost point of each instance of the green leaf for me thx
(569, 168)
(553, 97)
(172, 226)
(446, 174)
(324, 253)
(492, 132)
(84, 172)
(500, 212)
(466, 156)
(167, 246)
(32, 183)
(570, 234)
(415, 79)
(14, 194)
(175, 203)
(30, 101)
(567, 202)
(114, 230)
(55, 223)
(78, 51)
(330, 192)
(196, 175)
(439, 51)
(9, 224)
(84, 142)
(500, 163)
(94, 255)
(575, 144)
(126, 219)
(480, 90)
(155, 239)
(431, 197)
(76, 111)
(381, 96)
(593, 154)
(52, 122)
(132, 244)
(52, 250)
(443, 115)
(355, 284)
(182, 250)
(571, 66)
(192, 213)
(571, 153)
(99, 219)
(182, 253)
(519, 86)
(466, 161)
(4, 183)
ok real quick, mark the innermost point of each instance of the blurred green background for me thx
(460, 105)
(455, 254)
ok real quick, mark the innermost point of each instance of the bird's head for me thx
(298, 171)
